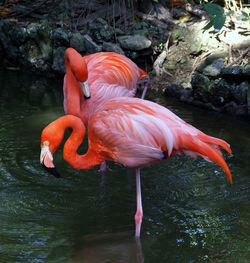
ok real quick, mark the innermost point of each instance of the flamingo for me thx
(132, 132)
(91, 79)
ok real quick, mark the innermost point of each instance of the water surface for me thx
(191, 213)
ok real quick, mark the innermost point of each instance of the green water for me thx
(191, 214)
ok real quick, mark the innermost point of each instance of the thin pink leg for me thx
(145, 89)
(139, 212)
(103, 167)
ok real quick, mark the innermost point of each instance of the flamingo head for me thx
(79, 68)
(50, 140)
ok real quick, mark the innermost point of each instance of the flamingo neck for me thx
(72, 93)
(77, 161)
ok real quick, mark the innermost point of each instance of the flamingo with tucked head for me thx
(132, 132)
(91, 79)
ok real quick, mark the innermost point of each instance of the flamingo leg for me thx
(144, 90)
(139, 212)
(103, 167)
(145, 81)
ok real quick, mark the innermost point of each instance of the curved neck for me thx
(76, 70)
(77, 161)
(72, 93)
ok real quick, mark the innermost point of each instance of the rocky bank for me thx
(183, 60)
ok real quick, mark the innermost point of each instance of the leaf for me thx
(240, 17)
(245, 14)
(207, 26)
(211, 17)
(230, 12)
(219, 22)
(214, 9)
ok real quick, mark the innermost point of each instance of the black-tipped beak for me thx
(51, 170)
(86, 98)
(46, 160)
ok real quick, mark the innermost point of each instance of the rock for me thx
(58, 60)
(138, 54)
(77, 41)
(214, 69)
(240, 91)
(201, 87)
(19, 35)
(40, 33)
(60, 37)
(221, 92)
(36, 52)
(210, 60)
(141, 25)
(170, 65)
(119, 32)
(177, 91)
(90, 45)
(102, 31)
(9, 50)
(134, 42)
(142, 32)
(108, 46)
(132, 54)
(236, 73)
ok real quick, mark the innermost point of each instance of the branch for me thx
(240, 57)
(158, 64)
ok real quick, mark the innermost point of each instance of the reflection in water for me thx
(191, 214)
(108, 247)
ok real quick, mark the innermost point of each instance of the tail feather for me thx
(216, 142)
(206, 147)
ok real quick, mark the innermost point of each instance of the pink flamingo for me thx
(132, 132)
(91, 79)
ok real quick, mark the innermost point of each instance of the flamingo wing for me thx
(129, 132)
(112, 68)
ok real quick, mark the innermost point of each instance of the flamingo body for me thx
(132, 132)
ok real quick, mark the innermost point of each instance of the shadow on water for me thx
(191, 214)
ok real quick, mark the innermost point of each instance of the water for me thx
(191, 214)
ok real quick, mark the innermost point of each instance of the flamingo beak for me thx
(85, 89)
(46, 160)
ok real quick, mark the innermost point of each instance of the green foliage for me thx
(244, 16)
(216, 16)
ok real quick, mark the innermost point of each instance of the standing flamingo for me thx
(132, 132)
